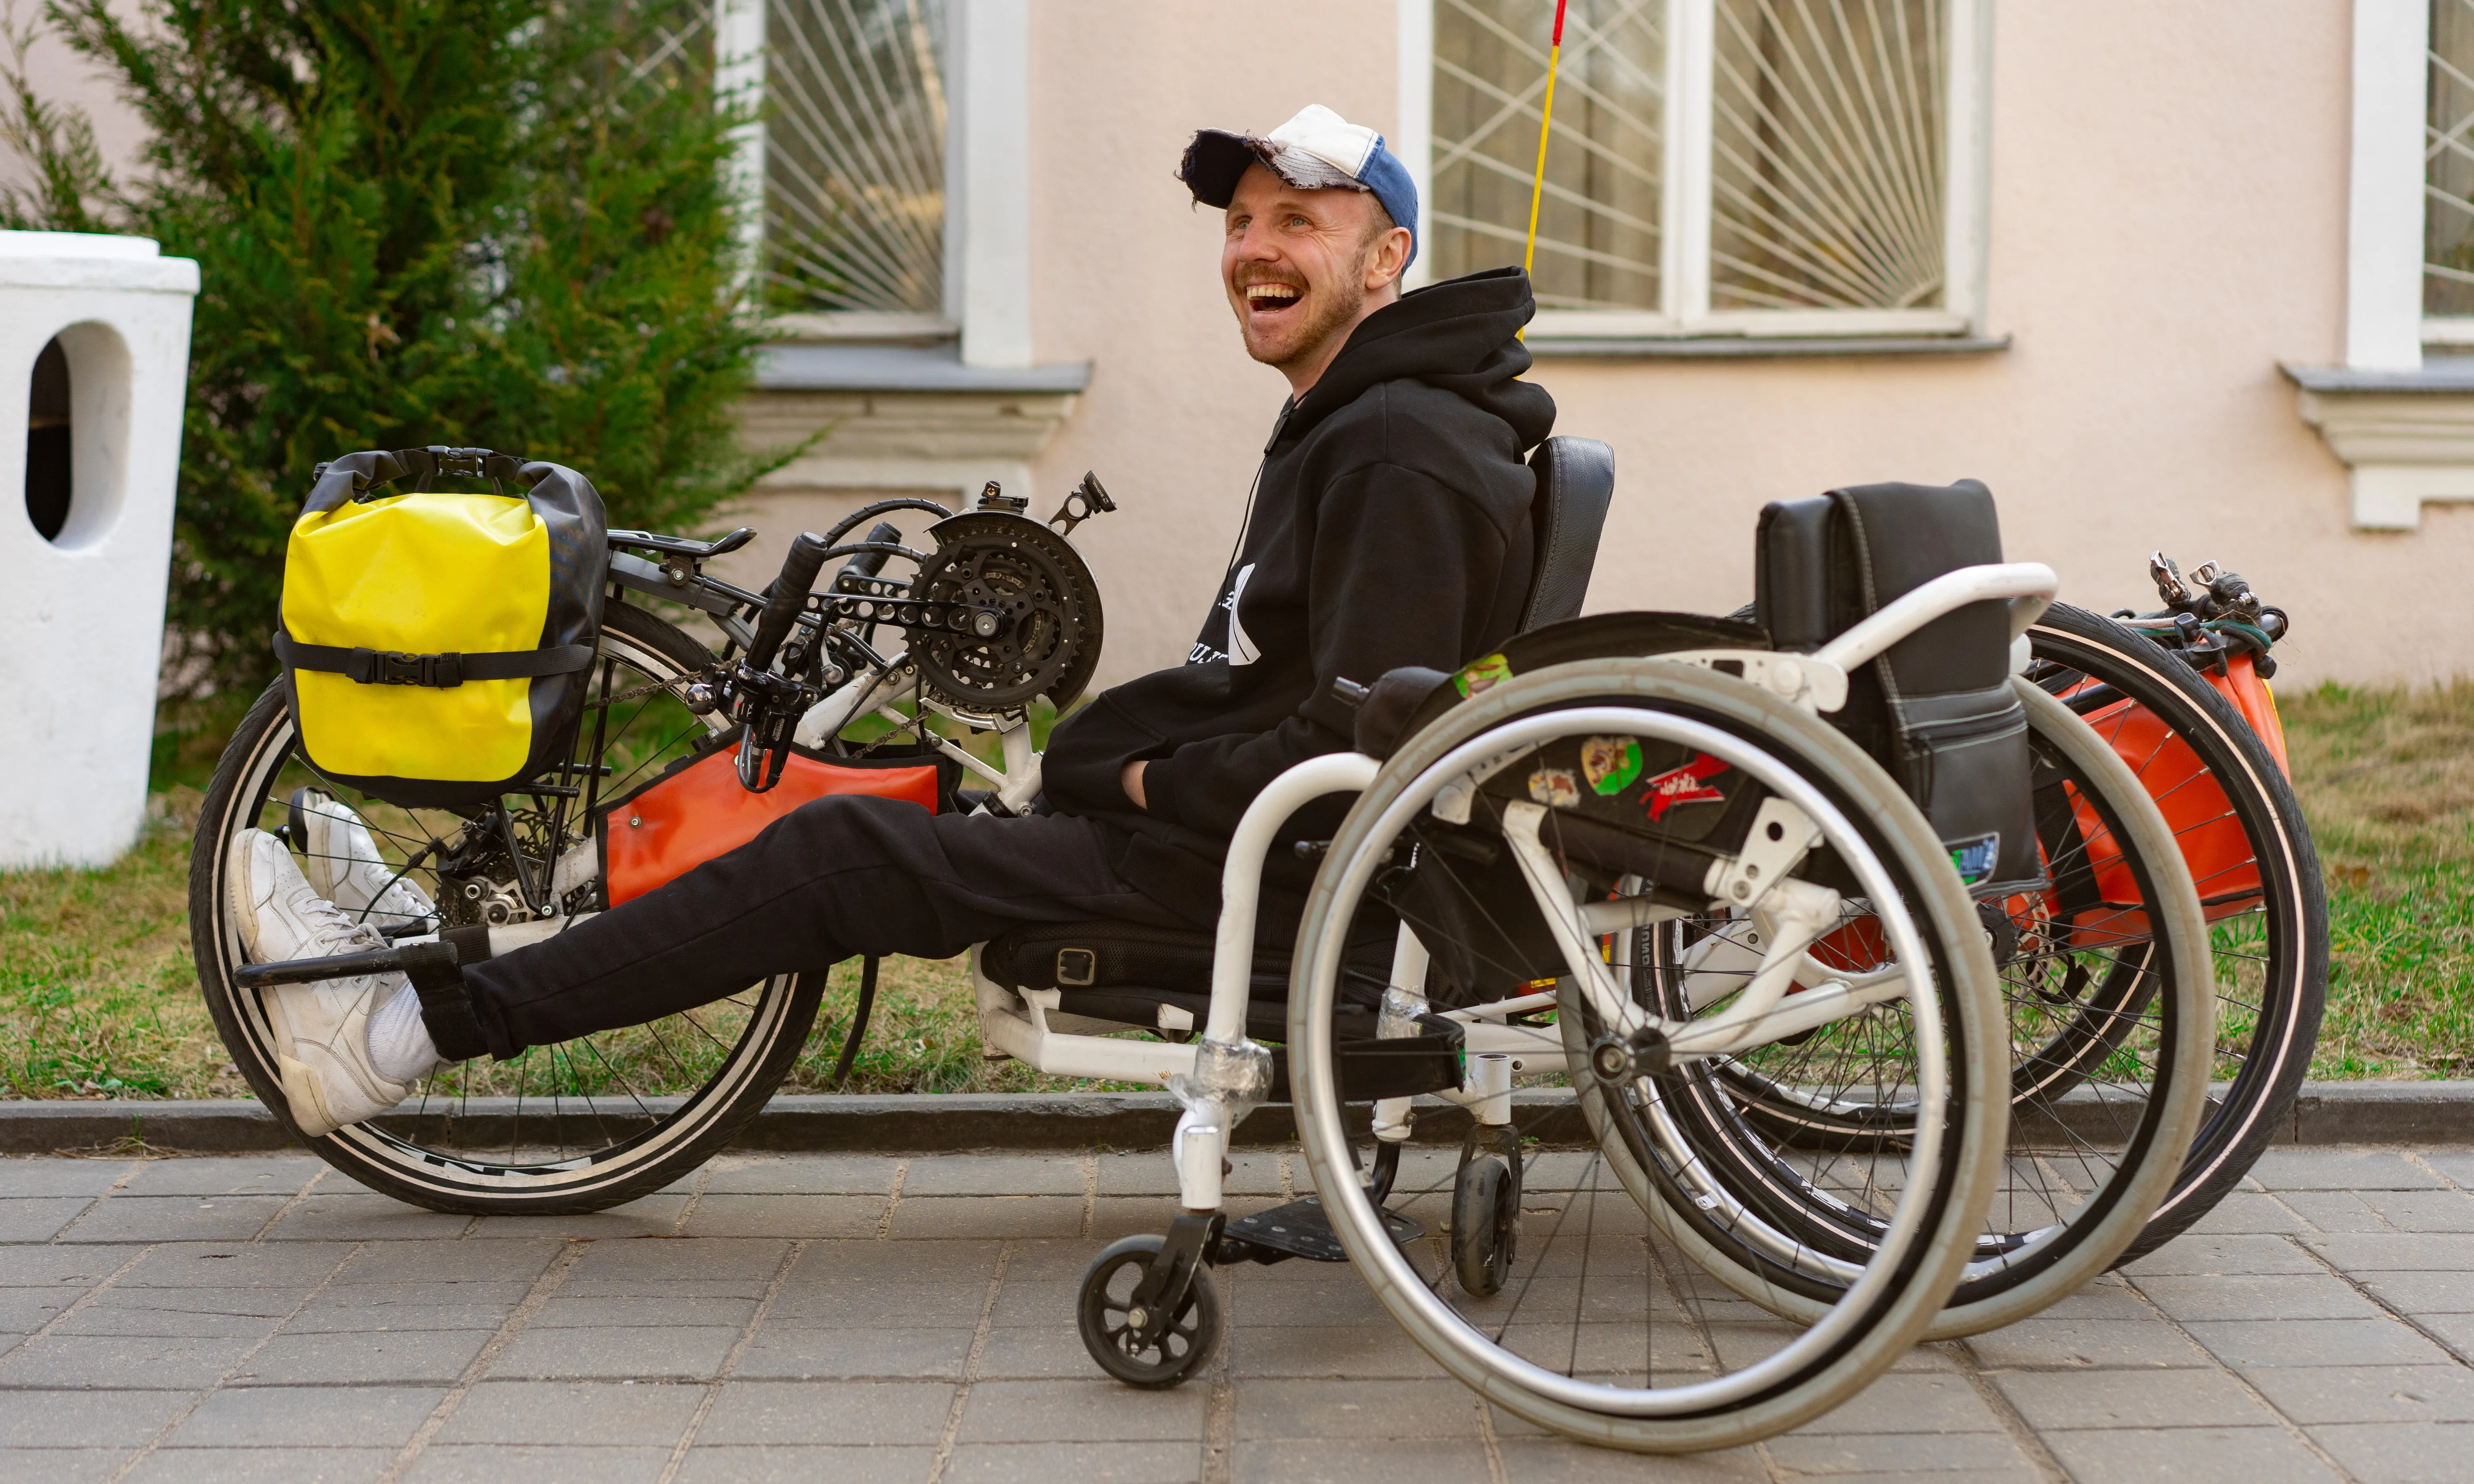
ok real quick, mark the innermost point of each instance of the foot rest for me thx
(1302, 1230)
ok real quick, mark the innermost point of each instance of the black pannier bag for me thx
(1936, 709)
(437, 645)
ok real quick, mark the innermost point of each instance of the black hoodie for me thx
(1389, 527)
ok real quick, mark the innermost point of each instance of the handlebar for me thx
(868, 563)
(789, 595)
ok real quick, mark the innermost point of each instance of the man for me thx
(1389, 526)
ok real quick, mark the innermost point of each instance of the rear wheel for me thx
(574, 1127)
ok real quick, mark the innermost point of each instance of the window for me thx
(1790, 167)
(855, 157)
(2448, 175)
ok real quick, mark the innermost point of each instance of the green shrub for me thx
(494, 223)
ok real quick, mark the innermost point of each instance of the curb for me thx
(2326, 1113)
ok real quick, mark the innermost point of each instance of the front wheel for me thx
(574, 1127)
(1122, 1337)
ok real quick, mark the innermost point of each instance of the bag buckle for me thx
(395, 667)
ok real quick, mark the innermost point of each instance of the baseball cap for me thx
(1317, 150)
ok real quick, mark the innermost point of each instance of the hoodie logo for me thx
(1242, 648)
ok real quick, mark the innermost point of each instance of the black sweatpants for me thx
(839, 876)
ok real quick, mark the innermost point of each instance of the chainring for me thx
(1049, 640)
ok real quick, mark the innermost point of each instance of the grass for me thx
(99, 997)
(2387, 779)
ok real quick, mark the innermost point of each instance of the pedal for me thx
(1301, 1229)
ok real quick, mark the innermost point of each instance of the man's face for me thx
(1298, 265)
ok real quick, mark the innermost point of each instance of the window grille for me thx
(855, 157)
(1724, 157)
(2448, 163)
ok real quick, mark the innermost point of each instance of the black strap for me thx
(442, 672)
(445, 1007)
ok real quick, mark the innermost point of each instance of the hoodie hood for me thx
(1456, 336)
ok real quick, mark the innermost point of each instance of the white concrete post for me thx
(81, 611)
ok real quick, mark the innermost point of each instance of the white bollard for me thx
(82, 602)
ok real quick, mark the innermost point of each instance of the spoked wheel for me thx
(574, 1127)
(2249, 853)
(1603, 1329)
(1131, 1344)
(2107, 997)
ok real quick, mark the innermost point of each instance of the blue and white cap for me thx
(1317, 150)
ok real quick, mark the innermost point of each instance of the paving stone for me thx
(2107, 1298)
(652, 1215)
(1340, 1297)
(2130, 1398)
(365, 1358)
(62, 1267)
(2397, 1252)
(809, 1174)
(570, 1309)
(497, 1463)
(23, 1310)
(2420, 1293)
(2241, 1296)
(300, 1265)
(597, 1414)
(646, 1265)
(1391, 1461)
(1530, 1459)
(2369, 1394)
(363, 1216)
(118, 1361)
(640, 1353)
(445, 1268)
(837, 1352)
(2047, 1344)
(1114, 1216)
(2454, 1330)
(997, 1175)
(947, 1218)
(2386, 1453)
(1044, 1302)
(2316, 1342)
(271, 1175)
(770, 1413)
(70, 1465)
(85, 1419)
(1812, 1449)
(2243, 1211)
(792, 1464)
(1341, 1352)
(2186, 1455)
(88, 1178)
(105, 1316)
(2249, 1255)
(2456, 1165)
(2341, 1211)
(1911, 1402)
(251, 1466)
(308, 1417)
(1118, 1463)
(1365, 1409)
(1036, 1351)
(958, 1264)
(786, 1215)
(1148, 1172)
(2340, 1170)
(1094, 1410)
(389, 1307)
(39, 1219)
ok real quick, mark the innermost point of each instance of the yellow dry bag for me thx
(437, 644)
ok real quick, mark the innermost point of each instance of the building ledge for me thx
(2406, 437)
(1748, 348)
(907, 368)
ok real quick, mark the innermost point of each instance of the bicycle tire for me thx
(652, 1142)
(2283, 1013)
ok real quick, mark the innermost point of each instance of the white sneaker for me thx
(343, 864)
(321, 1030)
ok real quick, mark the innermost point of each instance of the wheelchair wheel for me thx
(1602, 1330)
(2250, 854)
(2105, 980)
(574, 1127)
(1122, 1338)
(1486, 1223)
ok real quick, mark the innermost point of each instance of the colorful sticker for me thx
(1687, 784)
(1974, 858)
(1493, 670)
(1610, 763)
(1556, 788)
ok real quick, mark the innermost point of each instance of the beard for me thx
(1299, 334)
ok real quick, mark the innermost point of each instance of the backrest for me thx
(1576, 481)
(1936, 709)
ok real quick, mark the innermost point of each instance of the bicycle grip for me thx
(789, 596)
(868, 563)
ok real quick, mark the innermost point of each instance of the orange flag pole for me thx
(1546, 122)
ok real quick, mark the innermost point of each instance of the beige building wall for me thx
(2168, 209)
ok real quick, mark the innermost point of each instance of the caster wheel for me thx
(1111, 1326)
(1486, 1224)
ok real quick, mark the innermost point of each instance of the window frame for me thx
(1687, 181)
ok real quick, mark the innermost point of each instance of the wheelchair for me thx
(1798, 992)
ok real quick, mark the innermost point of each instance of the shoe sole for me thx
(303, 1096)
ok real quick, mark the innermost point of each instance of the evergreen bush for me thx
(496, 222)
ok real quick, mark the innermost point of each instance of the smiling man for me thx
(1389, 526)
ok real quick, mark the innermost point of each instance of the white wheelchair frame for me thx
(1222, 1076)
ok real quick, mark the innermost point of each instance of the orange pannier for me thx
(698, 809)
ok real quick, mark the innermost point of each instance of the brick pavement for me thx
(862, 1318)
